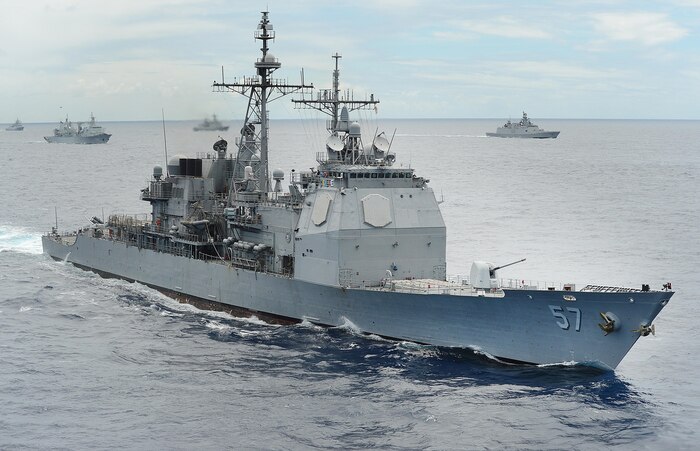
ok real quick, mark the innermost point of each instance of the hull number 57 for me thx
(562, 315)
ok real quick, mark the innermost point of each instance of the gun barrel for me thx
(508, 264)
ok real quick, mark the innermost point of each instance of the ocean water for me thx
(89, 363)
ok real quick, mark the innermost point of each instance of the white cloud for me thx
(394, 5)
(45, 33)
(558, 69)
(533, 72)
(422, 63)
(503, 26)
(642, 27)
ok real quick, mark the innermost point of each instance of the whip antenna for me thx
(165, 143)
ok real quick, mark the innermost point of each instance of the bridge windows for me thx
(375, 175)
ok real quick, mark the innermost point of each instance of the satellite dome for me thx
(354, 129)
(269, 58)
(157, 172)
(175, 160)
(278, 174)
(174, 165)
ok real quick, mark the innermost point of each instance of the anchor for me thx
(608, 323)
(645, 330)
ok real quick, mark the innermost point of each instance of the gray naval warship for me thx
(79, 133)
(355, 240)
(523, 129)
(212, 124)
(18, 126)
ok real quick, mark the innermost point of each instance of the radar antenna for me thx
(260, 90)
(328, 101)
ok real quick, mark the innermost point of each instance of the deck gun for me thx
(492, 271)
(483, 274)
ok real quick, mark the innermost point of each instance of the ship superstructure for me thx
(355, 239)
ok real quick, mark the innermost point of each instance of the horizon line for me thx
(388, 119)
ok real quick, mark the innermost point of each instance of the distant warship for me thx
(78, 133)
(523, 129)
(16, 127)
(355, 240)
(212, 124)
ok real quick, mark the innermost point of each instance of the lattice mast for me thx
(328, 101)
(260, 90)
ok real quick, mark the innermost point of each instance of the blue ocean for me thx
(92, 363)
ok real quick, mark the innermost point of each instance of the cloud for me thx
(45, 34)
(503, 26)
(549, 79)
(534, 71)
(641, 27)
(394, 5)
(558, 69)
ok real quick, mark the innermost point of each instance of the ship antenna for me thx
(165, 143)
(329, 101)
(336, 91)
(392, 140)
(260, 90)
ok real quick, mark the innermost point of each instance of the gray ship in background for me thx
(354, 241)
(212, 124)
(79, 133)
(523, 129)
(16, 127)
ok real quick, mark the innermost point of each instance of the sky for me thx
(126, 60)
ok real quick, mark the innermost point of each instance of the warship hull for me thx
(523, 325)
(200, 128)
(96, 139)
(537, 135)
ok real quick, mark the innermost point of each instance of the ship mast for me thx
(328, 102)
(260, 89)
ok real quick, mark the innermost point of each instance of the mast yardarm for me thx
(328, 101)
(261, 89)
